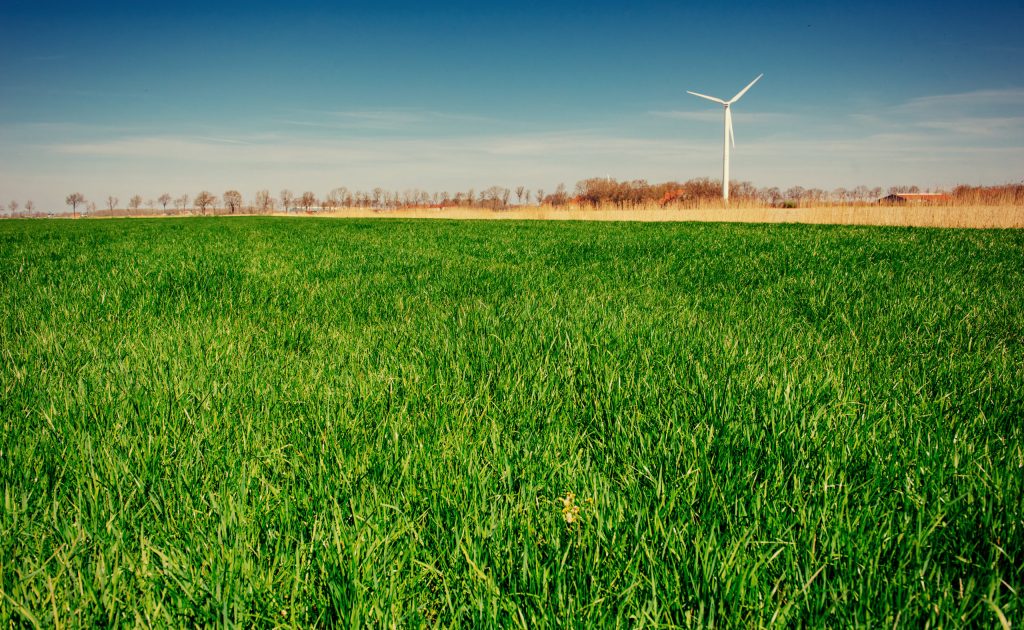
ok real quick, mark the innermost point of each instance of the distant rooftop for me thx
(910, 197)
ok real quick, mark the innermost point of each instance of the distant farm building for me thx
(898, 199)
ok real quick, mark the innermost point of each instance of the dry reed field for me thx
(949, 216)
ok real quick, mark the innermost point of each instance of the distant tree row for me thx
(496, 197)
(593, 192)
(232, 201)
(13, 207)
(1008, 194)
(636, 193)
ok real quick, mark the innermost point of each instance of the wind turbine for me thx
(729, 137)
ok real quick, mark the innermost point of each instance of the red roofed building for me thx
(914, 198)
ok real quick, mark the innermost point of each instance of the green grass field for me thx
(270, 421)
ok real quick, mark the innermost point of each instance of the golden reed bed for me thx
(916, 216)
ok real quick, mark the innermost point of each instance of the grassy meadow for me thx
(295, 422)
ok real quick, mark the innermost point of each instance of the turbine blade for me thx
(728, 125)
(710, 98)
(744, 90)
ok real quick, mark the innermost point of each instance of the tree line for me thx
(232, 201)
(594, 192)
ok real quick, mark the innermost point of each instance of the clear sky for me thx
(123, 98)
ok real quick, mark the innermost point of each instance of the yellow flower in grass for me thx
(570, 511)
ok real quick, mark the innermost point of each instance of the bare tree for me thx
(560, 197)
(770, 196)
(112, 202)
(307, 200)
(73, 200)
(519, 194)
(13, 206)
(232, 200)
(164, 199)
(150, 203)
(540, 196)
(29, 206)
(181, 202)
(287, 199)
(204, 200)
(490, 197)
(135, 202)
(897, 190)
(816, 195)
(338, 196)
(264, 202)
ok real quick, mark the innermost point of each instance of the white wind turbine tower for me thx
(729, 138)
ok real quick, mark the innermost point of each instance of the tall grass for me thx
(266, 421)
(942, 216)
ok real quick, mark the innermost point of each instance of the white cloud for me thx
(974, 100)
(716, 116)
(278, 149)
(988, 115)
(977, 125)
(382, 119)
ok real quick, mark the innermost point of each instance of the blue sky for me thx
(124, 98)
